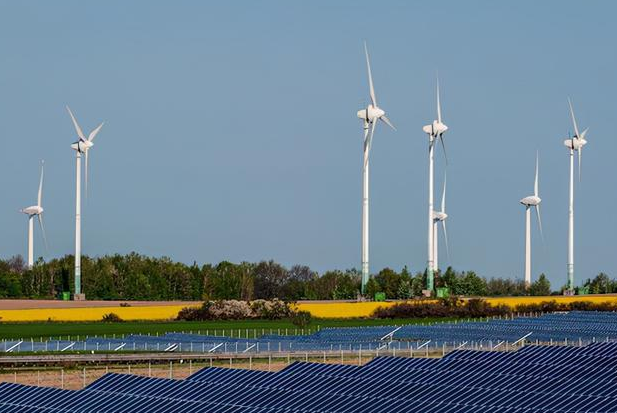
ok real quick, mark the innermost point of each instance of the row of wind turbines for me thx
(370, 117)
(435, 131)
(81, 147)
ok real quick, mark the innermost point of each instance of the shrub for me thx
(448, 307)
(112, 318)
(236, 310)
(271, 310)
(300, 318)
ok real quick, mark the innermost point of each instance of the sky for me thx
(231, 129)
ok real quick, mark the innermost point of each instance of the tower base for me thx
(79, 297)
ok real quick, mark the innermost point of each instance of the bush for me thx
(236, 310)
(112, 318)
(271, 310)
(300, 318)
(449, 307)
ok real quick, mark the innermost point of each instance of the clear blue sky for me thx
(232, 133)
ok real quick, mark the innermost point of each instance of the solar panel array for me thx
(579, 327)
(534, 379)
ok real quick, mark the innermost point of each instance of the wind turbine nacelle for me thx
(81, 146)
(371, 113)
(531, 200)
(33, 210)
(439, 127)
(434, 129)
(574, 143)
(439, 216)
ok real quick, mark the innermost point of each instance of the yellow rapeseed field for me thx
(365, 309)
(514, 301)
(317, 309)
(341, 309)
(92, 314)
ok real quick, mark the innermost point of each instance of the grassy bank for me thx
(55, 329)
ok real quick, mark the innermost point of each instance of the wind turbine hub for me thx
(531, 200)
(33, 210)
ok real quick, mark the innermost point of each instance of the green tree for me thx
(541, 286)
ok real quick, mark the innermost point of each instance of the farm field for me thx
(87, 311)
(237, 328)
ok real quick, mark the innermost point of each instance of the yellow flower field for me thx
(514, 301)
(341, 309)
(92, 314)
(335, 309)
(354, 309)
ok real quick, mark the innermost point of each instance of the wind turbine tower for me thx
(35, 211)
(435, 132)
(532, 201)
(574, 144)
(82, 146)
(370, 115)
(440, 216)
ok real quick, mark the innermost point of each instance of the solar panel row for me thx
(535, 379)
(577, 327)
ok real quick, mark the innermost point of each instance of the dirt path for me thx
(37, 304)
(75, 379)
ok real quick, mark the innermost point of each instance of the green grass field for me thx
(228, 328)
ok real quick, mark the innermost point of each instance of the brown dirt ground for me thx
(75, 379)
(34, 304)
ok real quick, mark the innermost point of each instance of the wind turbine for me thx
(370, 115)
(440, 216)
(532, 201)
(435, 132)
(574, 144)
(82, 145)
(35, 211)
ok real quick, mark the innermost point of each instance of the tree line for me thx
(138, 277)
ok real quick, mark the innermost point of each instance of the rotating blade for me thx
(95, 132)
(43, 232)
(370, 77)
(385, 120)
(573, 119)
(537, 207)
(40, 195)
(445, 238)
(77, 128)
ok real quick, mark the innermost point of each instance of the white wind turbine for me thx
(529, 202)
(435, 132)
(574, 144)
(440, 216)
(370, 115)
(35, 211)
(82, 145)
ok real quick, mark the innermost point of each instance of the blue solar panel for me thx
(536, 379)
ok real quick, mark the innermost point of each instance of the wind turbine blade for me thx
(40, 196)
(443, 145)
(369, 142)
(94, 132)
(86, 156)
(573, 119)
(370, 77)
(77, 128)
(438, 102)
(539, 222)
(43, 232)
(387, 122)
(580, 154)
(445, 238)
(443, 194)
(535, 184)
